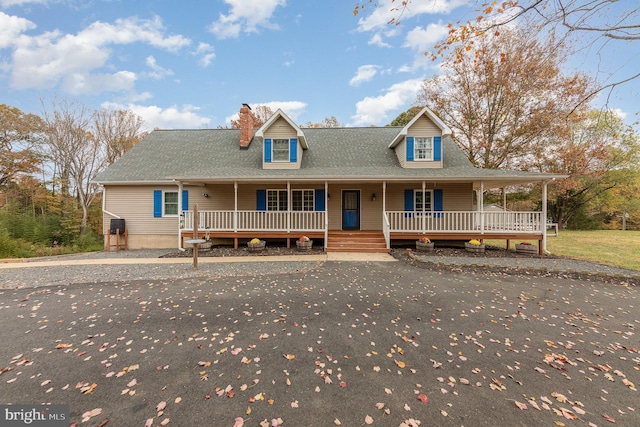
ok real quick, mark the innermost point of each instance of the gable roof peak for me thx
(277, 115)
(424, 112)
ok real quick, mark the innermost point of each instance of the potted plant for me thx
(256, 245)
(424, 244)
(304, 243)
(526, 248)
(474, 246)
(207, 237)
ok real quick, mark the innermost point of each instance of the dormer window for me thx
(423, 148)
(280, 150)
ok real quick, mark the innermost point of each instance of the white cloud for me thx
(421, 39)
(45, 60)
(91, 84)
(364, 74)
(381, 16)
(7, 3)
(620, 113)
(185, 117)
(157, 72)
(12, 27)
(207, 54)
(246, 15)
(376, 40)
(374, 110)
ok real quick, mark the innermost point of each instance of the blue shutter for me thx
(157, 203)
(185, 200)
(437, 201)
(267, 150)
(293, 150)
(408, 202)
(410, 149)
(261, 200)
(437, 148)
(319, 195)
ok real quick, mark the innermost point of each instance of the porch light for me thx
(373, 197)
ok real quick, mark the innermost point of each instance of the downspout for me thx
(104, 204)
(180, 215)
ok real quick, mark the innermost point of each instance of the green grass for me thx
(610, 247)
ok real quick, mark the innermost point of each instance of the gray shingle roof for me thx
(334, 153)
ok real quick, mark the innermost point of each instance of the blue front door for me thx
(351, 210)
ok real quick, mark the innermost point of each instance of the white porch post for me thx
(326, 214)
(180, 215)
(384, 198)
(544, 217)
(481, 205)
(235, 206)
(504, 198)
(424, 219)
(288, 207)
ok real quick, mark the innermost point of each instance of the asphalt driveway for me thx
(344, 343)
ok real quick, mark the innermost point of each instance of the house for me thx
(353, 188)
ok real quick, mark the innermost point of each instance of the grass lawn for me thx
(611, 247)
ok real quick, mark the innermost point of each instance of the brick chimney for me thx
(247, 123)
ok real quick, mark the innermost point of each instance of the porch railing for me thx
(256, 220)
(465, 221)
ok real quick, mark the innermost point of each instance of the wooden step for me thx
(356, 241)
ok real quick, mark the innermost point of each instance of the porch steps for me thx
(356, 241)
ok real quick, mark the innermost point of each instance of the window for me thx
(277, 200)
(422, 201)
(171, 203)
(280, 150)
(302, 200)
(423, 148)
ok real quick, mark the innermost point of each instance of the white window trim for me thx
(273, 150)
(415, 202)
(164, 204)
(415, 149)
(277, 190)
(302, 190)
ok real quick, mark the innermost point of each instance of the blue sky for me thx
(191, 64)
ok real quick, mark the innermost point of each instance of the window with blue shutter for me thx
(319, 202)
(410, 149)
(157, 203)
(261, 200)
(267, 150)
(185, 200)
(437, 148)
(293, 150)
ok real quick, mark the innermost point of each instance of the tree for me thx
(503, 95)
(328, 122)
(597, 24)
(117, 131)
(76, 153)
(594, 149)
(19, 133)
(405, 117)
(261, 114)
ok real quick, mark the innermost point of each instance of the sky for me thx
(191, 64)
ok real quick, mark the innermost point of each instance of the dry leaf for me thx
(368, 420)
(239, 422)
(521, 405)
(423, 398)
(289, 356)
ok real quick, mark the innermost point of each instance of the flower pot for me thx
(476, 249)
(305, 245)
(205, 245)
(424, 247)
(527, 249)
(256, 247)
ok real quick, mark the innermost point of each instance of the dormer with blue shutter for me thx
(283, 142)
(419, 143)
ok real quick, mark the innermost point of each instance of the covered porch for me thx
(375, 214)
